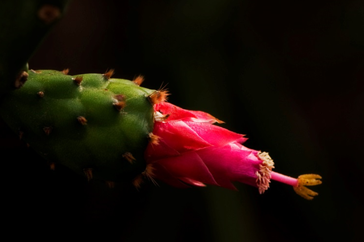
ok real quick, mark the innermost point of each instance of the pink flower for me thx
(188, 149)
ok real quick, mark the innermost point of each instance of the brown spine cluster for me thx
(49, 13)
(47, 130)
(120, 102)
(158, 96)
(77, 80)
(21, 79)
(138, 80)
(82, 120)
(107, 75)
(154, 139)
(88, 173)
(129, 157)
(40, 94)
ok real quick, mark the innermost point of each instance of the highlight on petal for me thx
(215, 135)
(192, 182)
(177, 113)
(178, 135)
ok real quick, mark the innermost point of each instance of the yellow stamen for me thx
(307, 180)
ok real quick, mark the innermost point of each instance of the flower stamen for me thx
(263, 174)
(299, 184)
(307, 180)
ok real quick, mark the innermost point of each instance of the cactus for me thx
(113, 129)
(91, 123)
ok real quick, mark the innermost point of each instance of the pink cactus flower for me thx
(188, 149)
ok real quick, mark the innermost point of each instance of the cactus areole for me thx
(115, 130)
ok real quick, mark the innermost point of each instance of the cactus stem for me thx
(158, 97)
(49, 13)
(88, 173)
(65, 71)
(110, 184)
(138, 80)
(21, 79)
(119, 105)
(108, 74)
(82, 120)
(154, 139)
(47, 130)
(77, 80)
(129, 157)
(40, 94)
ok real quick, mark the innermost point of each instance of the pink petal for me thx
(161, 173)
(160, 150)
(188, 165)
(194, 151)
(177, 113)
(192, 182)
(214, 134)
(179, 136)
(232, 162)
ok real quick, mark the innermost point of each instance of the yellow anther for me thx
(307, 180)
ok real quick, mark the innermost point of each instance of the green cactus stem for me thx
(94, 124)
(23, 24)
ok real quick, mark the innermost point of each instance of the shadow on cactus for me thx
(115, 130)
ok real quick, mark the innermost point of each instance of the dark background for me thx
(288, 74)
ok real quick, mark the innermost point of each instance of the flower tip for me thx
(307, 180)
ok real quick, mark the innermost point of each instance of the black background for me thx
(288, 74)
